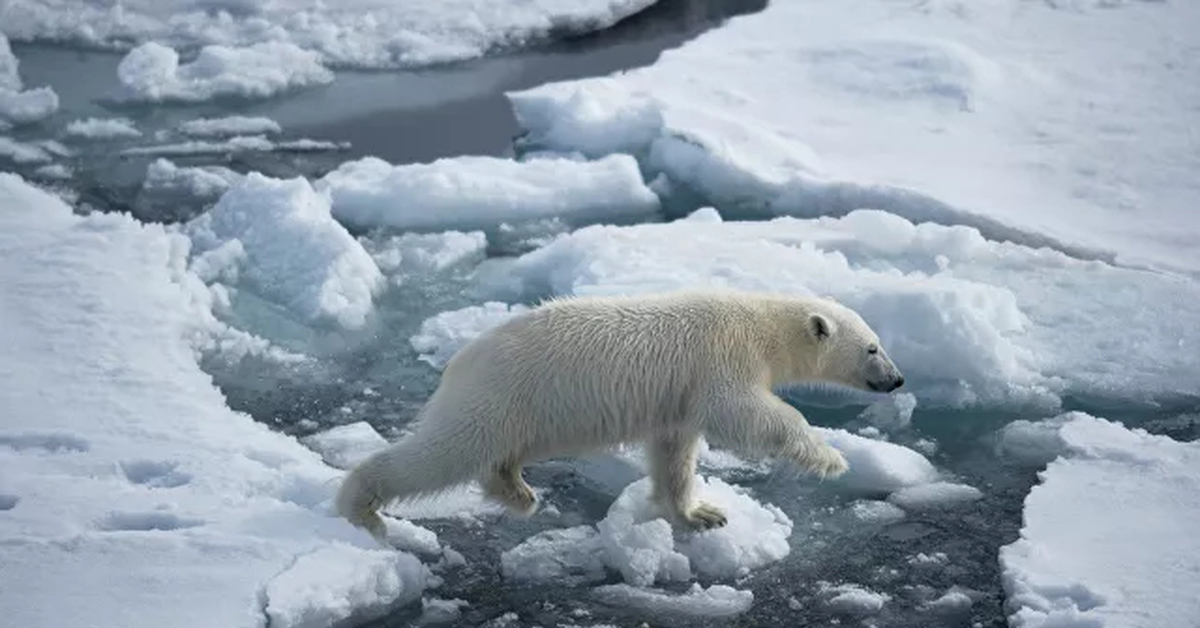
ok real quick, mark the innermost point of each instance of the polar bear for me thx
(580, 374)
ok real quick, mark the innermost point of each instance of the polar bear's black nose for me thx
(899, 382)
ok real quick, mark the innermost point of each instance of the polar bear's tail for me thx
(412, 467)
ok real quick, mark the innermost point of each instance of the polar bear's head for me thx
(849, 351)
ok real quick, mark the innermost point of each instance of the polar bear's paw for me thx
(705, 516)
(507, 487)
(826, 462)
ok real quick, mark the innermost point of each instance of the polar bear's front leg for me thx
(672, 470)
(505, 484)
(758, 424)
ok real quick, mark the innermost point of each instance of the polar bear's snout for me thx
(882, 374)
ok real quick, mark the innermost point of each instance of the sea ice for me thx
(1108, 538)
(717, 600)
(357, 33)
(345, 445)
(878, 466)
(892, 413)
(634, 540)
(229, 125)
(968, 320)
(1013, 119)
(441, 336)
(102, 128)
(479, 192)
(18, 105)
(22, 152)
(852, 599)
(934, 495)
(233, 145)
(152, 72)
(188, 183)
(133, 485)
(412, 253)
(295, 253)
(338, 582)
(1033, 443)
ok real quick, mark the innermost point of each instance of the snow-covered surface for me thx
(966, 319)
(345, 445)
(341, 581)
(635, 541)
(718, 600)
(230, 125)
(279, 238)
(22, 152)
(193, 183)
(420, 253)
(893, 412)
(102, 128)
(234, 145)
(441, 336)
(1012, 117)
(1109, 536)
(878, 466)
(131, 484)
(153, 72)
(477, 192)
(852, 599)
(934, 495)
(364, 33)
(19, 105)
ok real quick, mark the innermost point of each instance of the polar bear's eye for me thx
(872, 349)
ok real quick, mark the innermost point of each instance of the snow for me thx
(934, 495)
(153, 73)
(563, 555)
(359, 33)
(291, 250)
(190, 183)
(892, 413)
(234, 145)
(635, 541)
(56, 172)
(131, 484)
(873, 511)
(878, 466)
(18, 105)
(102, 128)
(476, 192)
(441, 336)
(438, 611)
(955, 600)
(22, 152)
(1108, 539)
(413, 253)
(968, 320)
(852, 599)
(340, 581)
(1033, 443)
(230, 125)
(1007, 117)
(718, 600)
(345, 445)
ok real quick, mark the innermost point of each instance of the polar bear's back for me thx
(618, 364)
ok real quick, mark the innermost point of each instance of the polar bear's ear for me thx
(829, 297)
(820, 327)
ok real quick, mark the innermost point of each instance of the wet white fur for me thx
(580, 374)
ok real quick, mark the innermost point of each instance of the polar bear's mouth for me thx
(886, 387)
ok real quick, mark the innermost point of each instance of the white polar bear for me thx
(581, 374)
